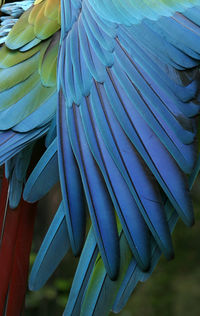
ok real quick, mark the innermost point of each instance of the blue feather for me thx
(12, 142)
(71, 185)
(16, 173)
(134, 275)
(44, 175)
(135, 229)
(83, 273)
(132, 170)
(54, 247)
(100, 206)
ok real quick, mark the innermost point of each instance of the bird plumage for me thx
(120, 116)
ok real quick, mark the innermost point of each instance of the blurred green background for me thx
(172, 290)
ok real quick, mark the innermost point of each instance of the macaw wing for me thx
(128, 82)
(127, 122)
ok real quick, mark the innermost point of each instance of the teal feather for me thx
(54, 247)
(16, 172)
(37, 184)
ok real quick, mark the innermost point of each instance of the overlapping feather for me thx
(130, 89)
(126, 124)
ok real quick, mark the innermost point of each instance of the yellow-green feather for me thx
(21, 33)
(9, 58)
(34, 69)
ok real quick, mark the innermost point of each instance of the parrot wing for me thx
(130, 105)
(128, 81)
(128, 85)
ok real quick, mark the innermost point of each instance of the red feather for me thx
(16, 231)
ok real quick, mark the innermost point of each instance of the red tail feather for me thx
(16, 230)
